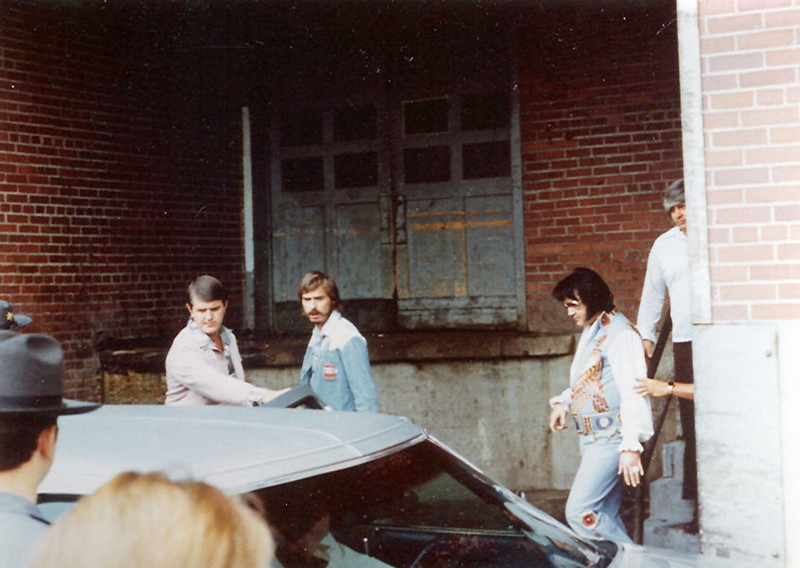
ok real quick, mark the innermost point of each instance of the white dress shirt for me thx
(667, 271)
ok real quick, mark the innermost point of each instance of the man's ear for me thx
(47, 442)
(189, 307)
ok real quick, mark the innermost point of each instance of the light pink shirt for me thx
(200, 373)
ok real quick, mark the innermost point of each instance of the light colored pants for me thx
(592, 509)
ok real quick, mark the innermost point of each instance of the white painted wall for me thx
(740, 451)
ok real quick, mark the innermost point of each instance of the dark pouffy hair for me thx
(586, 285)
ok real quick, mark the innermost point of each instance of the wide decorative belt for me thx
(601, 423)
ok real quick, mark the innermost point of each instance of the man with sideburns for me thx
(336, 363)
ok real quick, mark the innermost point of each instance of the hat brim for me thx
(68, 407)
(20, 321)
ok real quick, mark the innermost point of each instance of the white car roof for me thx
(235, 448)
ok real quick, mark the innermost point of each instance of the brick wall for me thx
(601, 139)
(120, 180)
(119, 161)
(750, 60)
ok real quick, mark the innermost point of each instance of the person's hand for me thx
(630, 466)
(648, 348)
(558, 418)
(271, 394)
(651, 387)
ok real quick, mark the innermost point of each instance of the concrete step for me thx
(666, 502)
(667, 534)
(670, 522)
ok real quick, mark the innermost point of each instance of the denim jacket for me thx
(336, 366)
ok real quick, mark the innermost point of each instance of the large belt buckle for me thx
(604, 422)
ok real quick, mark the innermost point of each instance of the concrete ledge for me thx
(411, 346)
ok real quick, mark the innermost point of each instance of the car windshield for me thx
(418, 507)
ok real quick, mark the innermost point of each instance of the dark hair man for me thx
(611, 419)
(204, 366)
(31, 388)
(336, 364)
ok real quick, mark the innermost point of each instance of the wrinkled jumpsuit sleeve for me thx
(355, 359)
(564, 399)
(626, 357)
(653, 293)
(186, 366)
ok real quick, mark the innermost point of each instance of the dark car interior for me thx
(418, 507)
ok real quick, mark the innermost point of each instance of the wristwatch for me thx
(670, 387)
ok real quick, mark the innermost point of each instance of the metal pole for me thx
(649, 447)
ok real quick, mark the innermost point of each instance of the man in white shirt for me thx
(668, 274)
(204, 366)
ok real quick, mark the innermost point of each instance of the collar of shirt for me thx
(589, 334)
(675, 233)
(327, 328)
(316, 337)
(587, 342)
(204, 341)
(17, 504)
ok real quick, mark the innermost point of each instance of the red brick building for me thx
(447, 162)
(122, 160)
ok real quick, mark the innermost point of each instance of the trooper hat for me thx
(10, 320)
(31, 376)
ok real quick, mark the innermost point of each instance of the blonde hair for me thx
(149, 521)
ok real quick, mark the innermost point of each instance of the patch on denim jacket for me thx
(329, 371)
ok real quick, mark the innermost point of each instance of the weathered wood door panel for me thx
(415, 211)
(297, 245)
(460, 261)
(329, 197)
(362, 262)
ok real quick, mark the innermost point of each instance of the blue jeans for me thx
(592, 509)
